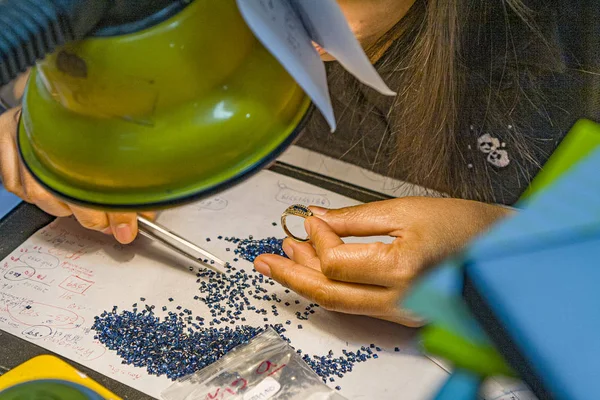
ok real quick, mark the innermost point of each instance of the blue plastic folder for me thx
(533, 286)
(529, 286)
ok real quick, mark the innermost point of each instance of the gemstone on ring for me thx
(297, 210)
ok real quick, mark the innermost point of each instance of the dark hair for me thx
(461, 67)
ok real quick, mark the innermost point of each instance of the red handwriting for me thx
(239, 381)
(75, 306)
(44, 314)
(76, 269)
(65, 295)
(234, 388)
(268, 366)
(265, 367)
(76, 284)
(41, 278)
(220, 394)
(68, 255)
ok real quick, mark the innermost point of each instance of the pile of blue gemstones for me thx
(250, 248)
(180, 344)
(165, 346)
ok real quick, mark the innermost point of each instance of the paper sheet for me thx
(328, 27)
(277, 26)
(288, 28)
(69, 275)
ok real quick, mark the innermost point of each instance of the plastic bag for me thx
(264, 368)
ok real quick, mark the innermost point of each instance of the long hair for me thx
(456, 77)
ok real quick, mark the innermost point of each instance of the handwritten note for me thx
(291, 196)
(53, 285)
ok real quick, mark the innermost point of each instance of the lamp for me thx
(176, 101)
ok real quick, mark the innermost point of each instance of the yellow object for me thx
(160, 116)
(50, 375)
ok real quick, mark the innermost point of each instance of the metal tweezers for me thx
(162, 235)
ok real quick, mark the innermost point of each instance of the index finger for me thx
(369, 219)
(321, 235)
(344, 297)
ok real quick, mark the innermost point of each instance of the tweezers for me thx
(167, 238)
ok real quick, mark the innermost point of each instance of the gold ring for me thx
(297, 210)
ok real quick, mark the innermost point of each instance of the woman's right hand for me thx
(17, 179)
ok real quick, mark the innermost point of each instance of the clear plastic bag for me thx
(264, 368)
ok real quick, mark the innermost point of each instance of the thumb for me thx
(124, 226)
(371, 219)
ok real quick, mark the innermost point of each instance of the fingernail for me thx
(107, 231)
(288, 250)
(318, 210)
(123, 233)
(262, 268)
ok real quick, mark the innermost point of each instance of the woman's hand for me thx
(16, 179)
(371, 279)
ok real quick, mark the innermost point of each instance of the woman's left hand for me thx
(371, 279)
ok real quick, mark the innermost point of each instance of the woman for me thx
(487, 90)
(473, 119)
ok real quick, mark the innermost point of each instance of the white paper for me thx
(278, 27)
(328, 27)
(264, 390)
(287, 28)
(69, 275)
(499, 388)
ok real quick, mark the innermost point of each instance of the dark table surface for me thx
(24, 220)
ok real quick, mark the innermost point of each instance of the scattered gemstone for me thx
(179, 343)
(249, 249)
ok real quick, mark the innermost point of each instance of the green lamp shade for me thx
(158, 117)
(48, 390)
